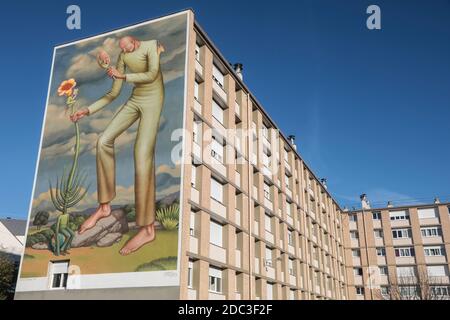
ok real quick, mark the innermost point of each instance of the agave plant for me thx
(169, 216)
(69, 189)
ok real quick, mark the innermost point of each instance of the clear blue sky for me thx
(370, 109)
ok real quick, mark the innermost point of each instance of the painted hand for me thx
(113, 73)
(79, 114)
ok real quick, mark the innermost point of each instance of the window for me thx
(286, 179)
(197, 52)
(215, 280)
(269, 262)
(192, 224)
(215, 234)
(434, 251)
(384, 291)
(408, 291)
(59, 271)
(353, 217)
(381, 252)
(358, 271)
(196, 91)
(378, 233)
(218, 76)
(437, 271)
(409, 271)
(216, 190)
(291, 267)
(354, 235)
(401, 233)
(268, 223)
(217, 148)
(399, 215)
(291, 294)
(190, 273)
(359, 291)
(440, 291)
(383, 271)
(291, 237)
(427, 213)
(288, 208)
(376, 215)
(269, 291)
(194, 177)
(267, 191)
(196, 132)
(431, 232)
(404, 252)
(217, 112)
(356, 253)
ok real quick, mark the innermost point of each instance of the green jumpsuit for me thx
(145, 104)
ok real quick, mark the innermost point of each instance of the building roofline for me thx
(258, 104)
(124, 27)
(401, 207)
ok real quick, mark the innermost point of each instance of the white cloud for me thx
(84, 66)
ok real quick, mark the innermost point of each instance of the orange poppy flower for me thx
(66, 87)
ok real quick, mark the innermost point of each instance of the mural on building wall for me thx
(106, 195)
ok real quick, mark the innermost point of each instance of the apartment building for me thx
(255, 222)
(398, 252)
(249, 231)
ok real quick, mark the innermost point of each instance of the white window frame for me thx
(431, 232)
(434, 251)
(399, 215)
(218, 76)
(190, 274)
(404, 252)
(381, 251)
(216, 233)
(401, 233)
(427, 213)
(216, 190)
(215, 280)
(59, 273)
(376, 215)
(217, 112)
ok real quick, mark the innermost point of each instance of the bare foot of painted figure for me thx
(145, 235)
(103, 210)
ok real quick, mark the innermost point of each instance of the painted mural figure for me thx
(63, 235)
(142, 60)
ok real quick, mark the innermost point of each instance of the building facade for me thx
(255, 222)
(258, 223)
(398, 252)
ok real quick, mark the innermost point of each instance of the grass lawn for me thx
(94, 260)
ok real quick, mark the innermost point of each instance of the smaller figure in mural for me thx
(142, 61)
(63, 235)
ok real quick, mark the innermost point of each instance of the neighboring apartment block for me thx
(398, 252)
(252, 232)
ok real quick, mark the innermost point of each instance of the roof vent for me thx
(238, 67)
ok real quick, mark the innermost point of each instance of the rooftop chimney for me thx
(390, 205)
(238, 67)
(324, 182)
(292, 140)
(437, 200)
(345, 209)
(364, 201)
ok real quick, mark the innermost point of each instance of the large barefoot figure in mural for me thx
(141, 60)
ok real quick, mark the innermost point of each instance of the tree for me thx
(40, 219)
(420, 286)
(8, 276)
